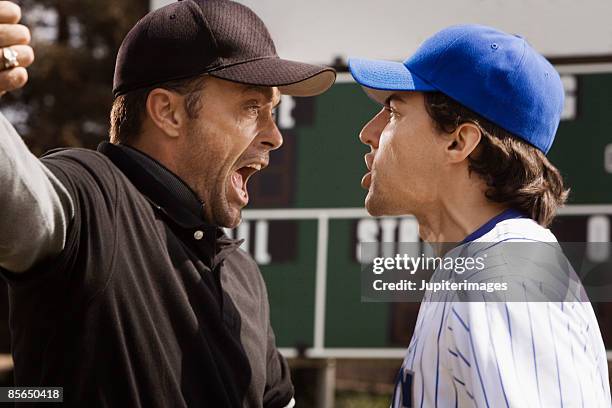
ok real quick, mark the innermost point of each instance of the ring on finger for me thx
(9, 58)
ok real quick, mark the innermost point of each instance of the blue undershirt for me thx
(489, 225)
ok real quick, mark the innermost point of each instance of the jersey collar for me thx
(489, 225)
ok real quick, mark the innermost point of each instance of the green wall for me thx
(329, 168)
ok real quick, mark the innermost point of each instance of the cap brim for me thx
(291, 77)
(381, 78)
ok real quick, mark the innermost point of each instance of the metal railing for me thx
(322, 216)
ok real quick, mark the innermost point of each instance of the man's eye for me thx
(392, 112)
(253, 109)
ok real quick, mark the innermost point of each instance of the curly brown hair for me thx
(517, 174)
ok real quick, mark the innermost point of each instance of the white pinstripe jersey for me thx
(505, 354)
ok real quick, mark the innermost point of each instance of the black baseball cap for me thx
(221, 38)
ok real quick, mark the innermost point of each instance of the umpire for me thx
(123, 288)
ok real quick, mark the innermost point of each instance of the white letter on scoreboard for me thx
(367, 231)
(598, 230)
(243, 232)
(388, 226)
(262, 257)
(408, 235)
(408, 230)
(285, 118)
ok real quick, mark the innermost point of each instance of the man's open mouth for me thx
(366, 181)
(240, 178)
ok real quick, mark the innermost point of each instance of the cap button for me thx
(494, 46)
(198, 235)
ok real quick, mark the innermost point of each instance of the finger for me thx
(10, 13)
(11, 34)
(13, 78)
(25, 55)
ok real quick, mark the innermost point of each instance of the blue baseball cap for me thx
(497, 75)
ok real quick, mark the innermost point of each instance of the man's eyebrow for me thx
(264, 90)
(392, 98)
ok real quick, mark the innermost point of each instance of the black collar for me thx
(168, 194)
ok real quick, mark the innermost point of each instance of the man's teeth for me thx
(254, 166)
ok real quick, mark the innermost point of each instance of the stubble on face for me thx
(379, 203)
(383, 196)
(227, 136)
(404, 175)
(205, 167)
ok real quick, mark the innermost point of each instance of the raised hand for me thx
(15, 53)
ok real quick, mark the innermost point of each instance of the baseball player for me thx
(460, 143)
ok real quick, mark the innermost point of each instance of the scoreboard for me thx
(307, 219)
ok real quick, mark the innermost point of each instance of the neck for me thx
(456, 216)
(157, 151)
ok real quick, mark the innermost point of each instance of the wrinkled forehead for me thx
(269, 93)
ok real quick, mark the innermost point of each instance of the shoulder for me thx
(245, 272)
(518, 229)
(85, 158)
(242, 262)
(83, 171)
(520, 244)
(525, 258)
(242, 280)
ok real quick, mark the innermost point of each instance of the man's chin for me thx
(377, 206)
(233, 218)
(373, 210)
(373, 205)
(229, 217)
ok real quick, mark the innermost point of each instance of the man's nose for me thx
(370, 134)
(271, 137)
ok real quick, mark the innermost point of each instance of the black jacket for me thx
(147, 306)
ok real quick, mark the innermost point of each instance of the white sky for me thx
(319, 30)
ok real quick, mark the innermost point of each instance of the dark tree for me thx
(68, 96)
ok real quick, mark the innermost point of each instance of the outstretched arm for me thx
(34, 207)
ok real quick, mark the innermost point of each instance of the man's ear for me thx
(165, 110)
(462, 142)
